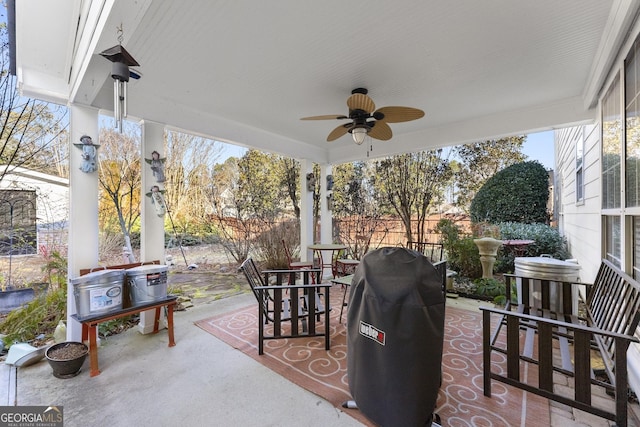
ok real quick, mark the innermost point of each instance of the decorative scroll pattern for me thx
(461, 401)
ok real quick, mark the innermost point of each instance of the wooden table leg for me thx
(172, 341)
(93, 349)
(156, 321)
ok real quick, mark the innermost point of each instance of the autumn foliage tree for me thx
(119, 176)
(32, 133)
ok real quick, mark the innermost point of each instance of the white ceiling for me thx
(245, 71)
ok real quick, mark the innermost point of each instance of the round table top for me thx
(517, 242)
(327, 246)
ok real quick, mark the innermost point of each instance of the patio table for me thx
(334, 248)
(519, 247)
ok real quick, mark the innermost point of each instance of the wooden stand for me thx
(90, 325)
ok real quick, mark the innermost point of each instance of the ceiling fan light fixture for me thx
(359, 133)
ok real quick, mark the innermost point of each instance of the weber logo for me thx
(372, 332)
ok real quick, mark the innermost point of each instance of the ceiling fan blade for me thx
(380, 130)
(400, 114)
(338, 132)
(326, 117)
(360, 101)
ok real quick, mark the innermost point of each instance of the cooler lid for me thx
(98, 275)
(545, 267)
(147, 269)
(546, 262)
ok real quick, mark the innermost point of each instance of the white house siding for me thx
(52, 207)
(579, 222)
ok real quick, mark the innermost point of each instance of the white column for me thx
(326, 216)
(151, 225)
(306, 212)
(83, 209)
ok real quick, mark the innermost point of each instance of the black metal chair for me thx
(294, 304)
(433, 251)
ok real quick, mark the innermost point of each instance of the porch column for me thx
(151, 225)
(83, 209)
(306, 212)
(326, 216)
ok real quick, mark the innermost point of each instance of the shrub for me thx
(547, 241)
(39, 316)
(461, 252)
(517, 193)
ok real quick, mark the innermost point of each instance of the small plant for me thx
(489, 287)
(115, 326)
(56, 270)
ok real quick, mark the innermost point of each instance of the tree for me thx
(291, 181)
(412, 184)
(119, 176)
(480, 161)
(250, 196)
(189, 169)
(357, 213)
(518, 193)
(30, 130)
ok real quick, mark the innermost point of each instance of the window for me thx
(636, 247)
(18, 222)
(579, 167)
(611, 147)
(612, 239)
(632, 128)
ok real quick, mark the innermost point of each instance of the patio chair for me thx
(281, 304)
(433, 251)
(297, 265)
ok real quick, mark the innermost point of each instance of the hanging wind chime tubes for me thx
(120, 73)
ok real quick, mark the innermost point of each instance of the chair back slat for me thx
(254, 278)
(614, 304)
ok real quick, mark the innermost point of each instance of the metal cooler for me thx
(395, 332)
(548, 269)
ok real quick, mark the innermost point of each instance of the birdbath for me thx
(488, 248)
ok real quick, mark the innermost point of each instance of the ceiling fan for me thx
(366, 120)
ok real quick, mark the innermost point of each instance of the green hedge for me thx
(518, 193)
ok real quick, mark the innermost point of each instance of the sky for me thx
(538, 146)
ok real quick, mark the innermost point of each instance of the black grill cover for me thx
(395, 330)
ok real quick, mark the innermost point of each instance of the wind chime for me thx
(120, 73)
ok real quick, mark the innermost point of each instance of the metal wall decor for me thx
(311, 181)
(157, 166)
(89, 154)
(157, 200)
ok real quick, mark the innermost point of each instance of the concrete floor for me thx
(199, 382)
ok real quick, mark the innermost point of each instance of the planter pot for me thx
(488, 249)
(15, 298)
(66, 359)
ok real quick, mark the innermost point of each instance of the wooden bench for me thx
(607, 327)
(90, 322)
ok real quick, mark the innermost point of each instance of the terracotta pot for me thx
(67, 366)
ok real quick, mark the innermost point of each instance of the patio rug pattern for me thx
(461, 401)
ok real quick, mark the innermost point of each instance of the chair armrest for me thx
(300, 286)
(560, 323)
(285, 271)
